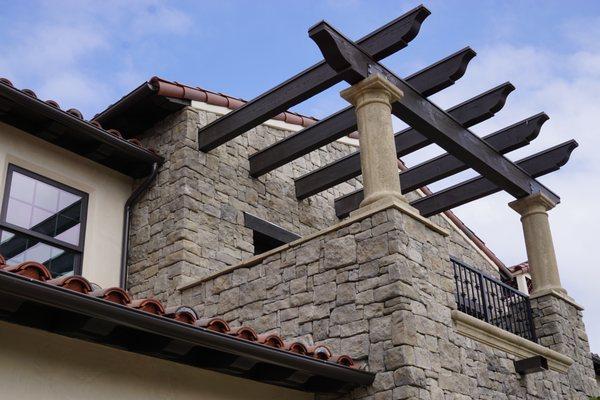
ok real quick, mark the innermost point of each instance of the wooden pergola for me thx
(346, 60)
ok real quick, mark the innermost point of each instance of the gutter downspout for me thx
(131, 201)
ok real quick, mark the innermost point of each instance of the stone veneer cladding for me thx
(382, 291)
(190, 222)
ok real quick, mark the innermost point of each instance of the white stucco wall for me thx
(108, 191)
(38, 365)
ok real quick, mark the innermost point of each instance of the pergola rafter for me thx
(428, 81)
(537, 165)
(504, 141)
(380, 43)
(469, 113)
(353, 62)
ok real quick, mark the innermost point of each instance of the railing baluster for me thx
(493, 301)
(484, 299)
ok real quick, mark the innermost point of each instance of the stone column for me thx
(372, 99)
(538, 242)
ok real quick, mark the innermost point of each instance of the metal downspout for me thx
(131, 201)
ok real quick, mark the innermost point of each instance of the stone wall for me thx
(559, 326)
(190, 222)
(381, 289)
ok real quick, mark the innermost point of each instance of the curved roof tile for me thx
(177, 90)
(182, 314)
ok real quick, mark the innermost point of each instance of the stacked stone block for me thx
(559, 326)
(190, 222)
(380, 289)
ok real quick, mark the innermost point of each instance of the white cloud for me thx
(56, 50)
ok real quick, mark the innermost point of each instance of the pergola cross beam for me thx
(379, 44)
(505, 140)
(428, 81)
(536, 165)
(354, 64)
(468, 113)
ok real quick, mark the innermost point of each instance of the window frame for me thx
(40, 237)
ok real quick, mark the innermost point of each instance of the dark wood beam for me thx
(468, 113)
(539, 164)
(428, 81)
(505, 140)
(354, 64)
(269, 229)
(379, 44)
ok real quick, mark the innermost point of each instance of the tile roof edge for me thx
(76, 116)
(37, 273)
(157, 86)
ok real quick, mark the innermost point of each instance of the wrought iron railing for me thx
(492, 301)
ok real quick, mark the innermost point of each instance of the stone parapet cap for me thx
(355, 94)
(532, 203)
(559, 295)
(376, 207)
(508, 342)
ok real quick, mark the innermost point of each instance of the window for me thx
(42, 220)
(267, 236)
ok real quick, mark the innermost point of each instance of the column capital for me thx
(533, 203)
(373, 88)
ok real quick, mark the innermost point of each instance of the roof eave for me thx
(318, 376)
(64, 129)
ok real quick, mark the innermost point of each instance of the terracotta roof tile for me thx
(522, 267)
(271, 339)
(244, 332)
(149, 305)
(112, 294)
(180, 314)
(30, 269)
(167, 88)
(75, 113)
(75, 283)
(213, 324)
(296, 347)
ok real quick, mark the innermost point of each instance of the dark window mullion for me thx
(40, 237)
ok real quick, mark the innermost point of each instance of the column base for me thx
(403, 206)
(385, 195)
(560, 293)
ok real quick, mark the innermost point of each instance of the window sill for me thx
(500, 339)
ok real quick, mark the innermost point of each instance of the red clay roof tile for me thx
(213, 324)
(271, 339)
(296, 347)
(177, 90)
(75, 283)
(320, 352)
(149, 305)
(30, 269)
(244, 332)
(182, 314)
(112, 294)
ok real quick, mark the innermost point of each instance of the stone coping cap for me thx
(250, 262)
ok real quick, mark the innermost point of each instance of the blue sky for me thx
(87, 54)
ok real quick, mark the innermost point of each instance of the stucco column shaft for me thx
(538, 242)
(372, 99)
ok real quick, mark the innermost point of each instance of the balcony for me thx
(492, 301)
